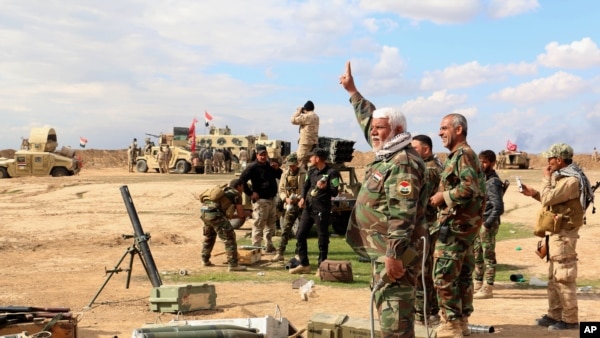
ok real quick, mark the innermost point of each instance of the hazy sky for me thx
(520, 70)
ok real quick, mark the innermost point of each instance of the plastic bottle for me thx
(306, 289)
(315, 191)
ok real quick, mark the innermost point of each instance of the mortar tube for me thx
(202, 334)
(184, 328)
(480, 328)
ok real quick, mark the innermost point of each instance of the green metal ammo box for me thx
(183, 298)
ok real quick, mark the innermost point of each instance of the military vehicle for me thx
(518, 159)
(222, 138)
(37, 157)
(182, 158)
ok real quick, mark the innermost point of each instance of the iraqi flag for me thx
(207, 117)
(192, 134)
(82, 141)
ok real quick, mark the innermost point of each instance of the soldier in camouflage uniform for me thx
(389, 207)
(216, 215)
(565, 190)
(308, 120)
(461, 200)
(290, 186)
(426, 293)
(484, 248)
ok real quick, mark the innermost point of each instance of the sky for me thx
(520, 70)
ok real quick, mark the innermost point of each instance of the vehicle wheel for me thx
(182, 167)
(3, 173)
(199, 170)
(141, 166)
(339, 222)
(59, 172)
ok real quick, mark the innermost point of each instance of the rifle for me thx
(157, 136)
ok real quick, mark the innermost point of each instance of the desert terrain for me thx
(60, 234)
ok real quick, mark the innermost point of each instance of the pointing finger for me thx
(348, 69)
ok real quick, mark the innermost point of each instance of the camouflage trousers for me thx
(216, 224)
(484, 249)
(395, 305)
(290, 217)
(452, 274)
(562, 276)
(265, 216)
(426, 294)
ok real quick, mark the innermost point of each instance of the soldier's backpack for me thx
(222, 200)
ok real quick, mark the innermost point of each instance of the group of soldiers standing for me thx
(216, 160)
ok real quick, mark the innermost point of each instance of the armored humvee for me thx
(518, 159)
(37, 157)
(182, 159)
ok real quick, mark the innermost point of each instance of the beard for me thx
(381, 143)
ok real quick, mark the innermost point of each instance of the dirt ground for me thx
(59, 234)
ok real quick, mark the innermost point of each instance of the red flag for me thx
(192, 134)
(511, 146)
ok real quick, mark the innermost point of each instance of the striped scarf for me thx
(587, 195)
(394, 145)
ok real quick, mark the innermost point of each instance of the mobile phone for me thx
(519, 184)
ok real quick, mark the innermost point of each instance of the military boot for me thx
(477, 285)
(449, 329)
(486, 292)
(464, 325)
(278, 258)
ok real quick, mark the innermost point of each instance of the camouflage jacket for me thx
(391, 201)
(434, 170)
(494, 205)
(309, 126)
(463, 184)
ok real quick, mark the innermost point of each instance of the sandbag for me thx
(336, 271)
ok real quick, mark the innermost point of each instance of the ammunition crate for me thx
(248, 257)
(60, 329)
(183, 298)
(328, 325)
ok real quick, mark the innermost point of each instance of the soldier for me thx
(227, 159)
(426, 293)
(216, 215)
(263, 176)
(565, 190)
(501, 159)
(148, 146)
(161, 158)
(130, 159)
(167, 159)
(308, 120)
(389, 206)
(207, 156)
(461, 200)
(485, 244)
(595, 155)
(290, 188)
(218, 161)
(321, 184)
(243, 157)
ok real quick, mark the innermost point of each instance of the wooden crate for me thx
(61, 329)
(248, 256)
